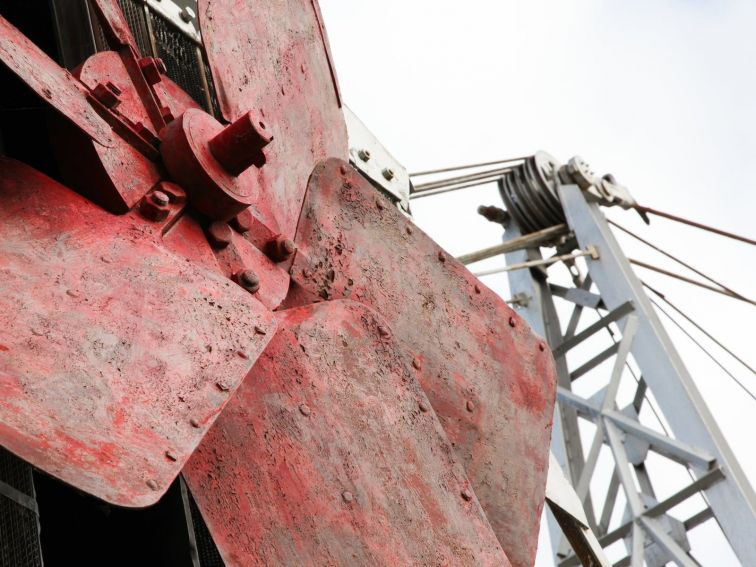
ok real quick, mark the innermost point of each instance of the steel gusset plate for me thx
(330, 454)
(489, 378)
(116, 355)
(273, 58)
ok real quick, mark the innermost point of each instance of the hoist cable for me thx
(674, 258)
(700, 346)
(695, 224)
(697, 326)
(469, 166)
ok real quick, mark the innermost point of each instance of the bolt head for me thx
(249, 280)
(281, 249)
(364, 154)
(219, 234)
(187, 15)
(388, 173)
(160, 198)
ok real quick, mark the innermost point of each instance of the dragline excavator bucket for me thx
(212, 290)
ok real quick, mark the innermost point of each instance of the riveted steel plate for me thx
(490, 379)
(115, 354)
(330, 454)
(272, 57)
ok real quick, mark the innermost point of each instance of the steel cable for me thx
(672, 257)
(649, 210)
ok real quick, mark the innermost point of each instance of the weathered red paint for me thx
(112, 344)
(324, 458)
(123, 337)
(491, 386)
(269, 57)
(216, 190)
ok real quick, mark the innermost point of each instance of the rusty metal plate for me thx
(330, 454)
(116, 356)
(489, 377)
(271, 57)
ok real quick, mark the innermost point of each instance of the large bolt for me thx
(187, 14)
(239, 146)
(219, 234)
(250, 281)
(152, 68)
(108, 94)
(155, 206)
(281, 248)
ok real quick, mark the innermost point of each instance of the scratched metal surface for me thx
(116, 355)
(481, 366)
(271, 57)
(330, 454)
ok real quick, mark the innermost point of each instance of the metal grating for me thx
(209, 555)
(19, 526)
(136, 17)
(181, 57)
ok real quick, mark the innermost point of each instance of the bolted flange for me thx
(213, 163)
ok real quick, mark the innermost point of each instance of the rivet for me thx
(442, 257)
(347, 496)
(383, 331)
(260, 331)
(170, 455)
(222, 386)
(388, 173)
(343, 169)
(242, 354)
(470, 406)
(72, 293)
(364, 154)
(477, 288)
(466, 494)
(417, 363)
(409, 230)
(194, 423)
(379, 204)
(152, 484)
(249, 280)
(423, 406)
(302, 67)
(541, 347)
(304, 409)
(512, 322)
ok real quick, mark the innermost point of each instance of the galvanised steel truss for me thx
(610, 285)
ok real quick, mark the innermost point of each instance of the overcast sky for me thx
(661, 93)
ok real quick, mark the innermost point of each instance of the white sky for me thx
(661, 93)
